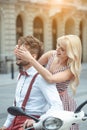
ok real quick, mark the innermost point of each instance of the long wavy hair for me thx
(74, 53)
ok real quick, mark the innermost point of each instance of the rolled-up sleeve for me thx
(9, 120)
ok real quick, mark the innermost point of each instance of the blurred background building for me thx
(45, 19)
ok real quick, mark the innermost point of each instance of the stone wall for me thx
(70, 19)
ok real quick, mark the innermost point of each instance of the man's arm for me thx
(51, 95)
(8, 120)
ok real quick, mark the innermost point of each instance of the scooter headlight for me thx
(52, 123)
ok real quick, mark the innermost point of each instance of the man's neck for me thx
(27, 67)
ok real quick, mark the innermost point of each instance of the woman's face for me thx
(61, 50)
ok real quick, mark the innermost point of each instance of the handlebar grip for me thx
(30, 128)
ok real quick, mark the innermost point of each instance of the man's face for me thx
(21, 62)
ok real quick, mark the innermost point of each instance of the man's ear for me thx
(35, 56)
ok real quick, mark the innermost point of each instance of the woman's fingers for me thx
(22, 53)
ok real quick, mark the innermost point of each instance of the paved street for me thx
(82, 94)
(7, 89)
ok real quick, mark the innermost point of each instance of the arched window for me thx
(38, 28)
(54, 33)
(84, 2)
(19, 27)
(70, 27)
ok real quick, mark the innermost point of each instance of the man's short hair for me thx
(34, 45)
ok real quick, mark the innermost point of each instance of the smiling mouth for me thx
(58, 53)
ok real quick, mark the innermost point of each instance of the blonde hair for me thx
(74, 52)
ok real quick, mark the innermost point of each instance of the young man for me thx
(42, 93)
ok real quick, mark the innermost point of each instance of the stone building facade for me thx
(46, 20)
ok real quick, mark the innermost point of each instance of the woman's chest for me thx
(55, 66)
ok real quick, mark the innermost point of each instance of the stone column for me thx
(48, 34)
(61, 25)
(9, 34)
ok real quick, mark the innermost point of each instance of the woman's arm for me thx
(43, 60)
(58, 77)
(52, 78)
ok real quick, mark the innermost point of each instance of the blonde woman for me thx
(63, 67)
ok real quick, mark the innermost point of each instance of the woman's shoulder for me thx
(51, 52)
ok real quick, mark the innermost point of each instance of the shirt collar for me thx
(31, 71)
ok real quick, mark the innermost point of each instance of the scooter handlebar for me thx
(29, 128)
(78, 109)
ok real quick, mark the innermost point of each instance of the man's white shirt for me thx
(43, 98)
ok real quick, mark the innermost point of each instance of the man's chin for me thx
(22, 64)
(18, 64)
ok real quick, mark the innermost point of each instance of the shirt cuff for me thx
(9, 120)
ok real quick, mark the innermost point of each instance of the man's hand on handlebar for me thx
(3, 128)
(28, 123)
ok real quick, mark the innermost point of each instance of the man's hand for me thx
(3, 128)
(28, 123)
